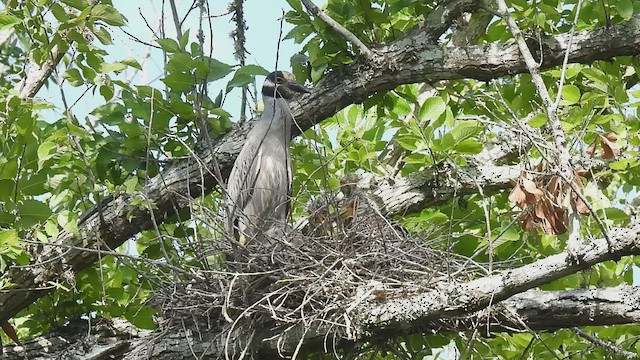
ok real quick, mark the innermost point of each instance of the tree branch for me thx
(563, 157)
(535, 309)
(457, 300)
(318, 13)
(408, 60)
(609, 347)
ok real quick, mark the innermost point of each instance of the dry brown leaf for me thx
(610, 148)
(591, 149)
(531, 187)
(555, 184)
(518, 196)
(581, 206)
(581, 171)
(541, 211)
(559, 221)
(554, 189)
(10, 331)
(529, 222)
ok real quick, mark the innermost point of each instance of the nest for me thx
(312, 277)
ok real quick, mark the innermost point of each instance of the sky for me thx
(263, 21)
(262, 17)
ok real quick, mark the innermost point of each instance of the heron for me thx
(259, 186)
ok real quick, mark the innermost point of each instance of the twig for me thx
(565, 61)
(240, 52)
(176, 18)
(318, 13)
(564, 166)
(608, 346)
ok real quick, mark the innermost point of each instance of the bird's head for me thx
(282, 84)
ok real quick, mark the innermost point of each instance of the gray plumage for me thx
(259, 186)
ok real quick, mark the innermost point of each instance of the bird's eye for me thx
(279, 80)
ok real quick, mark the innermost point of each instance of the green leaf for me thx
(142, 317)
(468, 146)
(253, 70)
(625, 9)
(447, 142)
(623, 164)
(432, 109)
(179, 82)
(103, 35)
(296, 5)
(9, 169)
(217, 69)
(110, 113)
(616, 214)
(106, 91)
(129, 61)
(245, 76)
(108, 14)
(73, 77)
(46, 151)
(59, 13)
(112, 67)
(570, 94)
(538, 121)
(6, 219)
(7, 194)
(169, 45)
(78, 4)
(465, 130)
(8, 21)
(34, 185)
(401, 107)
(354, 114)
(8, 238)
(32, 212)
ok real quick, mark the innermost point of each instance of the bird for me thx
(259, 185)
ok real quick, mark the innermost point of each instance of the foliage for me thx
(54, 165)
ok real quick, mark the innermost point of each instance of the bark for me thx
(530, 310)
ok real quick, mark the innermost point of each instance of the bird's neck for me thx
(277, 114)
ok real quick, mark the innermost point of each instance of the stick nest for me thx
(312, 277)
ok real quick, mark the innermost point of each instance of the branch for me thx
(564, 166)
(538, 310)
(409, 60)
(609, 347)
(39, 74)
(318, 13)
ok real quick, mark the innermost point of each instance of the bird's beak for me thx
(297, 87)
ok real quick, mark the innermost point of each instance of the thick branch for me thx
(478, 294)
(39, 74)
(538, 310)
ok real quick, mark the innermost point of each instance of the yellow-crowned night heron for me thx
(259, 185)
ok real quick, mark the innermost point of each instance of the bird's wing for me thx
(290, 182)
(243, 177)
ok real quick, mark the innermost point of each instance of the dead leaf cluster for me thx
(608, 146)
(545, 199)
